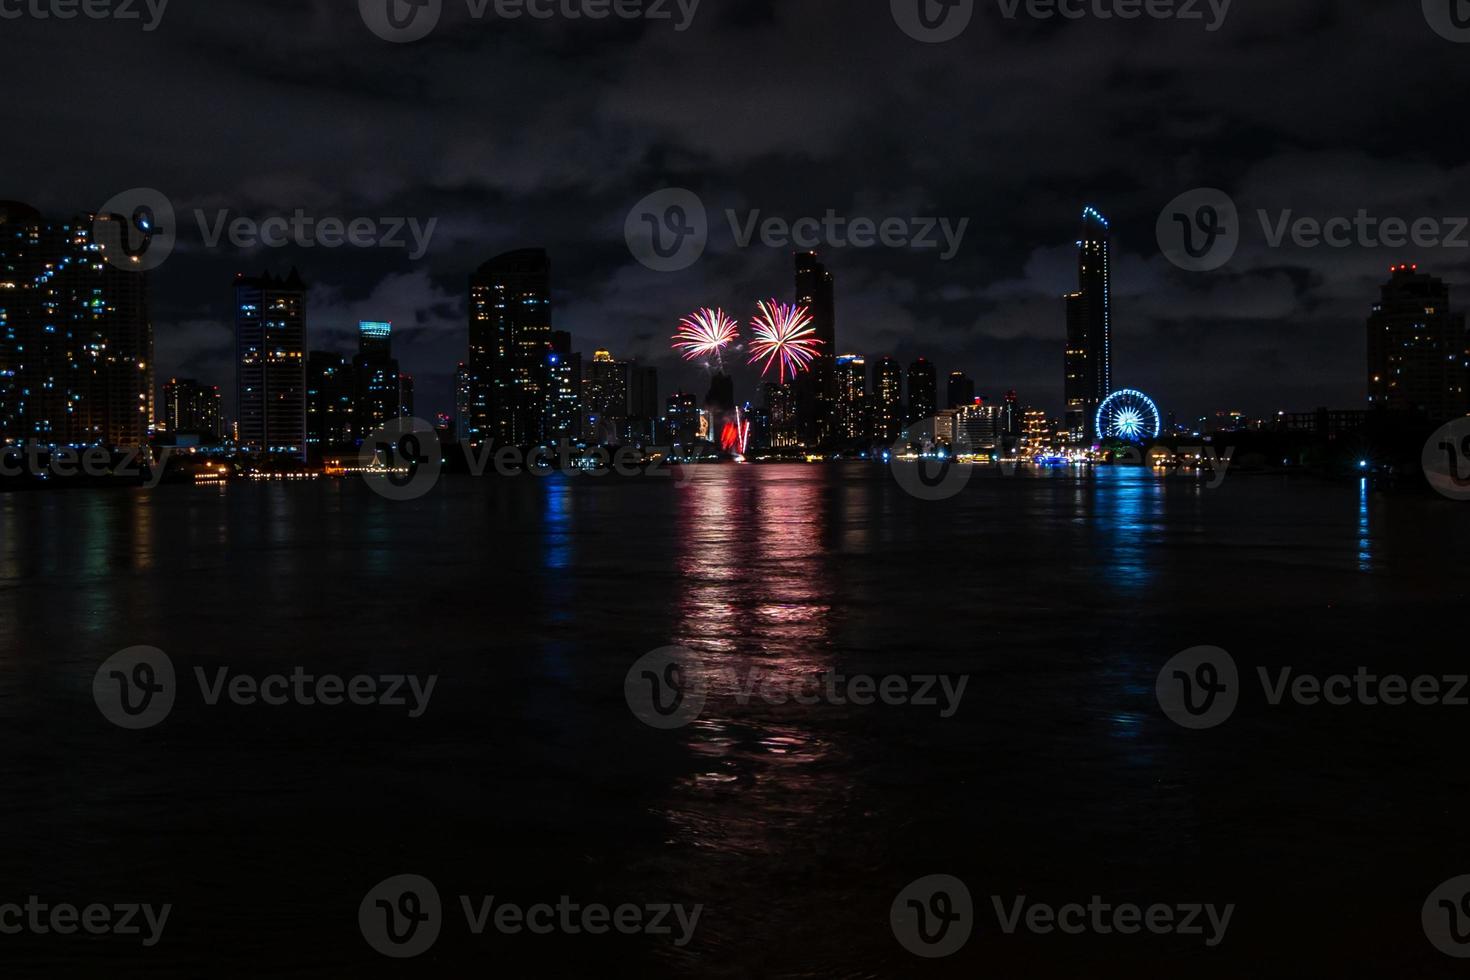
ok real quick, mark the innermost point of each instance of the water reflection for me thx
(1365, 540)
(756, 601)
(1127, 512)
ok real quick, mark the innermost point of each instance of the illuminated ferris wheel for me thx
(1128, 414)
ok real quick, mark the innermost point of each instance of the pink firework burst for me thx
(784, 339)
(705, 332)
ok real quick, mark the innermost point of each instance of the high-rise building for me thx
(510, 335)
(190, 408)
(270, 358)
(605, 399)
(779, 408)
(405, 395)
(681, 418)
(1012, 414)
(923, 390)
(378, 398)
(462, 397)
(76, 337)
(563, 405)
(1418, 350)
(816, 389)
(852, 397)
(1035, 428)
(980, 428)
(960, 391)
(329, 394)
(1089, 360)
(888, 408)
(643, 411)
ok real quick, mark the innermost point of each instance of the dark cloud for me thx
(546, 133)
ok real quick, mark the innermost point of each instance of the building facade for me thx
(270, 359)
(1089, 357)
(1418, 350)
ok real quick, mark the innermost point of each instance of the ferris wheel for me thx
(1128, 414)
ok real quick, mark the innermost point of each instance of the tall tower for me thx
(1089, 360)
(1418, 350)
(888, 410)
(76, 338)
(270, 359)
(816, 391)
(510, 336)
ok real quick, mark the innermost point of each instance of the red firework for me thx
(705, 332)
(784, 338)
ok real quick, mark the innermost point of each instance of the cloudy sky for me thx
(522, 132)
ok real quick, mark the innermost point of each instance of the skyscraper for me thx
(1089, 360)
(888, 409)
(681, 418)
(1418, 350)
(378, 395)
(563, 405)
(270, 358)
(852, 397)
(816, 389)
(642, 404)
(329, 393)
(960, 391)
(604, 399)
(76, 337)
(510, 335)
(923, 390)
(190, 408)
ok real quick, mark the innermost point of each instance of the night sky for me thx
(545, 133)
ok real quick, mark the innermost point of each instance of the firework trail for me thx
(784, 339)
(706, 332)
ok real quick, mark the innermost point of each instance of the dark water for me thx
(528, 777)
